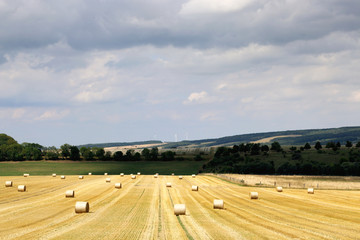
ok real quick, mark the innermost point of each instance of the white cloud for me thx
(93, 96)
(18, 113)
(355, 96)
(52, 115)
(31, 114)
(213, 6)
(200, 98)
(156, 71)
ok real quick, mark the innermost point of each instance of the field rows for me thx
(143, 209)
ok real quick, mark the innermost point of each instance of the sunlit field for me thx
(144, 209)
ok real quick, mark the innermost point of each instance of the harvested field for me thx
(298, 181)
(144, 209)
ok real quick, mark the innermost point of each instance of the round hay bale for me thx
(62, 177)
(108, 180)
(26, 175)
(121, 174)
(193, 175)
(90, 173)
(82, 207)
(279, 189)
(254, 195)
(138, 173)
(194, 188)
(155, 176)
(218, 204)
(81, 177)
(70, 193)
(8, 183)
(173, 174)
(21, 188)
(179, 209)
(117, 185)
(310, 191)
(168, 184)
(133, 177)
(106, 174)
(54, 174)
(180, 177)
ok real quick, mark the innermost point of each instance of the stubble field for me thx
(143, 209)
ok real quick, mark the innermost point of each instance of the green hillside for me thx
(311, 136)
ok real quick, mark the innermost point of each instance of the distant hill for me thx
(119, 144)
(290, 137)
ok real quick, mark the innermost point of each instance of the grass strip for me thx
(181, 223)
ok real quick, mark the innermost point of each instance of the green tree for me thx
(30, 152)
(307, 146)
(83, 150)
(137, 156)
(265, 148)
(255, 149)
(348, 144)
(275, 146)
(235, 149)
(6, 140)
(51, 153)
(242, 147)
(248, 147)
(107, 156)
(154, 154)
(10, 150)
(65, 150)
(129, 155)
(13, 152)
(293, 148)
(318, 145)
(100, 153)
(118, 155)
(87, 154)
(146, 154)
(74, 153)
(168, 156)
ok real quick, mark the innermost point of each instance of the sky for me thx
(94, 71)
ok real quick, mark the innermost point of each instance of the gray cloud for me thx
(93, 71)
(113, 24)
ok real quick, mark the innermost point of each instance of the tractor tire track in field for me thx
(306, 225)
(179, 220)
(143, 209)
(42, 223)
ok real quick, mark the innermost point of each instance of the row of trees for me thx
(259, 159)
(95, 153)
(250, 148)
(10, 150)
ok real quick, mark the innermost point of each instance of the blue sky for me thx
(110, 71)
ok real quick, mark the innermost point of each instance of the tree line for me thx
(254, 158)
(11, 150)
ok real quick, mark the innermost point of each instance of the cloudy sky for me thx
(90, 71)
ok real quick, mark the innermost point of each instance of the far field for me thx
(143, 209)
(100, 167)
